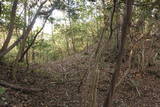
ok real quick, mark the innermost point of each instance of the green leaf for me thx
(2, 90)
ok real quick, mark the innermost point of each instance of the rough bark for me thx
(125, 25)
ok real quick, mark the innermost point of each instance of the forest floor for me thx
(60, 81)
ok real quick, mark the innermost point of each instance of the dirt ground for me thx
(60, 81)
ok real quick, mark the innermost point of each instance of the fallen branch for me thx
(19, 88)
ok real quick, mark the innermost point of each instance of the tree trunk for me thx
(33, 55)
(30, 45)
(73, 45)
(125, 25)
(25, 33)
(22, 50)
(11, 26)
(90, 92)
(22, 45)
(67, 44)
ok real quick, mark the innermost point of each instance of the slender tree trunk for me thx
(90, 92)
(73, 45)
(11, 26)
(23, 51)
(125, 25)
(67, 44)
(70, 23)
(25, 33)
(33, 55)
(22, 45)
(117, 33)
(0, 8)
(33, 41)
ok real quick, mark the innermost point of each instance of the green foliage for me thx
(79, 28)
(2, 90)
(5, 17)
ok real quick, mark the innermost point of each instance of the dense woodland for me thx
(79, 53)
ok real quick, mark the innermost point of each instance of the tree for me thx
(125, 28)
(22, 51)
(11, 26)
(28, 29)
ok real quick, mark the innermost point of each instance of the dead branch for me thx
(19, 88)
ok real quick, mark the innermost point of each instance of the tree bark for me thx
(125, 25)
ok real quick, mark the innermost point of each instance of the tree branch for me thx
(19, 88)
